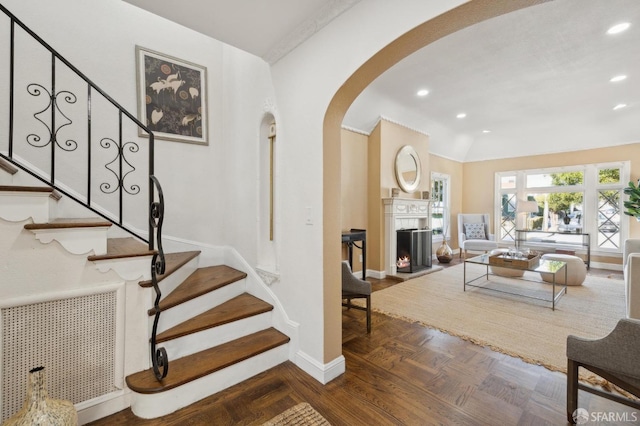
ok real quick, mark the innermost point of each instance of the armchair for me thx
(475, 236)
(631, 270)
(614, 358)
(355, 288)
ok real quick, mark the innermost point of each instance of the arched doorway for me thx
(454, 20)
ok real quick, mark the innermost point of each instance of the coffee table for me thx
(553, 267)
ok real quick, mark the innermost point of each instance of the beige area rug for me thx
(302, 414)
(517, 326)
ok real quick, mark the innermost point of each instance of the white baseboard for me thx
(607, 266)
(376, 274)
(97, 408)
(323, 373)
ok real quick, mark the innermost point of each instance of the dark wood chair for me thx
(614, 358)
(355, 288)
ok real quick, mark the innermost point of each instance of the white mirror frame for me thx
(405, 151)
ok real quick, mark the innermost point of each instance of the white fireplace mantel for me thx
(401, 213)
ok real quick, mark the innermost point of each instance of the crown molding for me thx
(396, 122)
(354, 130)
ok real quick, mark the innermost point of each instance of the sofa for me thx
(631, 270)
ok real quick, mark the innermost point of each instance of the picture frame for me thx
(172, 97)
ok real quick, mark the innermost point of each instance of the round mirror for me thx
(408, 168)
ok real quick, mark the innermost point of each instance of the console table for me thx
(559, 240)
(350, 238)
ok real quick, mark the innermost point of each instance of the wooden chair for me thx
(355, 288)
(614, 358)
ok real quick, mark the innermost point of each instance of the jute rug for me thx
(302, 414)
(517, 326)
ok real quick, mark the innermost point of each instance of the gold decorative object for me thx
(39, 409)
(444, 252)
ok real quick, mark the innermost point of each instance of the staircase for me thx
(215, 332)
(79, 273)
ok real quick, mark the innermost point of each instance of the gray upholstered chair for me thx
(631, 268)
(614, 358)
(473, 233)
(355, 288)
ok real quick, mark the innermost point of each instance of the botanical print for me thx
(174, 101)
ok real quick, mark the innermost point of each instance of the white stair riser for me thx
(76, 240)
(178, 314)
(132, 268)
(171, 282)
(19, 206)
(150, 406)
(205, 339)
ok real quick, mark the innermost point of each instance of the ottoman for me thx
(576, 269)
(504, 272)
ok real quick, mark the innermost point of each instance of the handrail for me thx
(120, 166)
(37, 90)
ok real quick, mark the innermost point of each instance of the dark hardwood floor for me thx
(400, 374)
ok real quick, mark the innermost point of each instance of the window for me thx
(440, 205)
(608, 216)
(579, 199)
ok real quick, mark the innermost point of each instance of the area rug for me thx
(517, 326)
(302, 414)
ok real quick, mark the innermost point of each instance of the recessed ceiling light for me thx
(619, 106)
(618, 78)
(486, 131)
(422, 92)
(461, 115)
(618, 28)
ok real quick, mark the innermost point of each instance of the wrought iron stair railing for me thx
(69, 141)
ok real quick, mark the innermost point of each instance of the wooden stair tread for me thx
(173, 262)
(12, 188)
(192, 367)
(240, 307)
(119, 248)
(202, 281)
(70, 223)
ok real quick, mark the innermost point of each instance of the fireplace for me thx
(402, 214)
(413, 250)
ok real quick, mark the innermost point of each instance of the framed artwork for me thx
(172, 100)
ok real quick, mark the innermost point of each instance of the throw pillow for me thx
(475, 231)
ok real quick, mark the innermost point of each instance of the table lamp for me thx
(526, 206)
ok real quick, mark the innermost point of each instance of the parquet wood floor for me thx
(400, 374)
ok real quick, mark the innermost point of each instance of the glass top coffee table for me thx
(551, 267)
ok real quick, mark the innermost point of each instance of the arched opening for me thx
(454, 20)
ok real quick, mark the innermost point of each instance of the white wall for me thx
(211, 192)
(305, 81)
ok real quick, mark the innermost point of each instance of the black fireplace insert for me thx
(413, 249)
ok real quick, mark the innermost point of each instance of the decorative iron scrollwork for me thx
(132, 147)
(54, 119)
(33, 139)
(159, 357)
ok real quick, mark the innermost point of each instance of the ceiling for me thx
(269, 29)
(537, 79)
